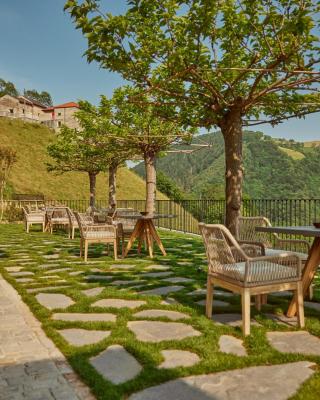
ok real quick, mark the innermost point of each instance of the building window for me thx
(11, 110)
(23, 111)
(59, 114)
(59, 124)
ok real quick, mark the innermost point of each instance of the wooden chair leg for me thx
(81, 247)
(258, 302)
(86, 250)
(115, 249)
(245, 298)
(209, 299)
(43, 227)
(300, 309)
(28, 228)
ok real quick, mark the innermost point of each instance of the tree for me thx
(145, 132)
(7, 159)
(7, 87)
(75, 150)
(42, 97)
(226, 64)
(167, 186)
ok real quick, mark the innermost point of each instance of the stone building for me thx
(32, 111)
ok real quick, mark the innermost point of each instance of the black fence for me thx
(188, 213)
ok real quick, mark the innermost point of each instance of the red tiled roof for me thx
(71, 104)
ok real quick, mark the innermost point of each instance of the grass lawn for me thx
(41, 253)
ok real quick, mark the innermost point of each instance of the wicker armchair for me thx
(231, 268)
(73, 223)
(95, 233)
(57, 216)
(125, 226)
(34, 218)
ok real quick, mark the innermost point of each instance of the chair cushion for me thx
(60, 220)
(33, 218)
(98, 235)
(261, 271)
(275, 252)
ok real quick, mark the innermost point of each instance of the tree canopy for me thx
(42, 97)
(7, 87)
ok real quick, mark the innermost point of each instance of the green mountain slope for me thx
(272, 168)
(29, 174)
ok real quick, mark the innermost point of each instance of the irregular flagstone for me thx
(178, 358)
(51, 256)
(276, 382)
(201, 292)
(295, 342)
(157, 267)
(231, 319)
(22, 273)
(50, 277)
(282, 319)
(46, 288)
(93, 291)
(82, 337)
(178, 279)
(198, 292)
(184, 263)
(54, 300)
(130, 282)
(216, 303)
(163, 290)
(122, 266)
(116, 364)
(232, 345)
(76, 273)
(119, 303)
(13, 269)
(24, 280)
(168, 301)
(98, 277)
(173, 315)
(85, 317)
(45, 266)
(54, 271)
(156, 331)
(156, 274)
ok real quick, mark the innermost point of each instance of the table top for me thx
(154, 216)
(291, 230)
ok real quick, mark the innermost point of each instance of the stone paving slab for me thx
(157, 267)
(276, 382)
(93, 291)
(216, 303)
(119, 303)
(173, 315)
(163, 290)
(178, 358)
(82, 337)
(116, 364)
(232, 345)
(295, 342)
(156, 331)
(32, 368)
(46, 288)
(178, 279)
(85, 317)
(156, 274)
(54, 300)
(231, 319)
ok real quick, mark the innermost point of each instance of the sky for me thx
(40, 49)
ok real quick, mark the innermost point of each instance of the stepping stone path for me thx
(156, 274)
(216, 303)
(24, 280)
(76, 273)
(184, 263)
(282, 319)
(119, 303)
(157, 267)
(51, 256)
(163, 290)
(54, 300)
(156, 331)
(231, 319)
(178, 279)
(199, 292)
(83, 337)
(116, 364)
(178, 358)
(93, 292)
(295, 342)
(119, 283)
(54, 271)
(13, 269)
(85, 317)
(173, 315)
(45, 266)
(168, 301)
(231, 345)
(122, 266)
(276, 382)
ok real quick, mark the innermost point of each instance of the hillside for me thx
(29, 174)
(272, 168)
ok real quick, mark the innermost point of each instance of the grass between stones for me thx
(38, 246)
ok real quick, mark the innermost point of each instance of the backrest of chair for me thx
(247, 230)
(121, 214)
(71, 216)
(25, 211)
(218, 241)
(83, 220)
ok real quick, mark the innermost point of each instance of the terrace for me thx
(136, 328)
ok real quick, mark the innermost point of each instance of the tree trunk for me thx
(151, 179)
(92, 181)
(113, 185)
(231, 128)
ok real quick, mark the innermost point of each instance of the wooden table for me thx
(313, 260)
(145, 230)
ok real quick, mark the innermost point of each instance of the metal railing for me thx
(190, 212)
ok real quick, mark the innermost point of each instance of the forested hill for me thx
(273, 168)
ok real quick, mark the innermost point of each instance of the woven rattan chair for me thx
(125, 226)
(58, 216)
(73, 223)
(95, 233)
(230, 267)
(271, 244)
(34, 218)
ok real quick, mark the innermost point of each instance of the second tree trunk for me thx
(149, 160)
